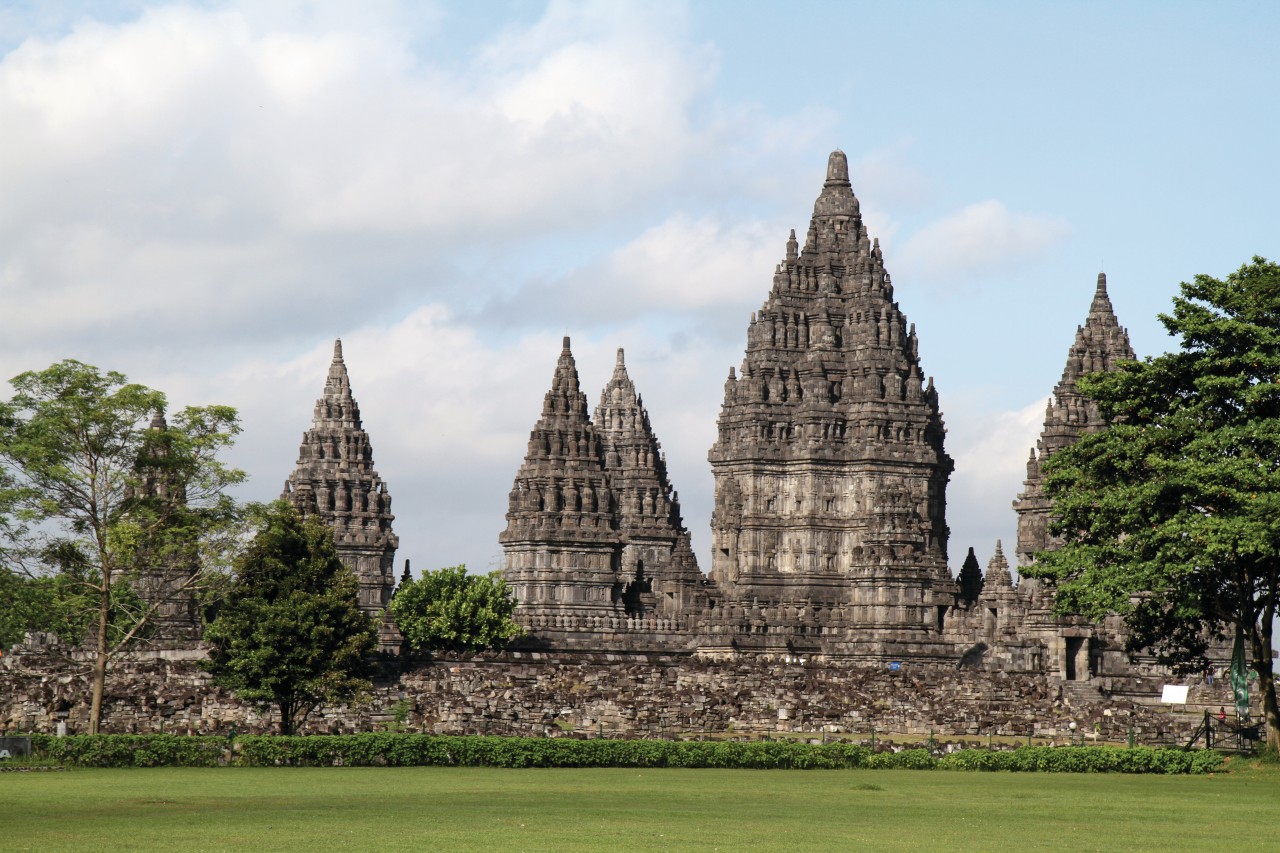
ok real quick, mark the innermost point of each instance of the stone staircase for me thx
(1081, 694)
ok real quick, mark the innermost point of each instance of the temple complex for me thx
(829, 572)
(829, 533)
(335, 480)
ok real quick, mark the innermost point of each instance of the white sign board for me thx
(1174, 694)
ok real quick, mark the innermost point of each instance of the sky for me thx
(204, 195)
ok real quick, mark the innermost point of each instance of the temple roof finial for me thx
(837, 170)
(337, 349)
(620, 367)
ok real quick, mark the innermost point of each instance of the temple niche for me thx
(335, 479)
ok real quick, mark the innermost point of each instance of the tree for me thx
(290, 631)
(60, 604)
(1171, 515)
(84, 505)
(450, 609)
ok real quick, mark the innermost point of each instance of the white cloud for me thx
(690, 273)
(979, 238)
(204, 198)
(990, 449)
(235, 165)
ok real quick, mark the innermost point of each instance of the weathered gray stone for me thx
(335, 479)
(830, 469)
(168, 582)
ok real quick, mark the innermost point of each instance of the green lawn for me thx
(482, 809)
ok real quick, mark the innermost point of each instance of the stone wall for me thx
(617, 695)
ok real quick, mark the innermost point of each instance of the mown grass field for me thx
(482, 809)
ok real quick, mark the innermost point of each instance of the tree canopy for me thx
(452, 610)
(1171, 515)
(289, 631)
(98, 488)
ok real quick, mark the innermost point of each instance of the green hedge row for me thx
(411, 750)
(1085, 759)
(131, 750)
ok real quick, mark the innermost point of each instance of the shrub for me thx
(131, 750)
(376, 749)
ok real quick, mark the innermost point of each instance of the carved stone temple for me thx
(829, 467)
(595, 547)
(1100, 344)
(168, 582)
(829, 532)
(335, 480)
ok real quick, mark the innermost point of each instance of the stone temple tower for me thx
(335, 480)
(166, 581)
(1100, 344)
(830, 472)
(1075, 649)
(660, 573)
(561, 544)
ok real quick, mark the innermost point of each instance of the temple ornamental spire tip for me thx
(837, 169)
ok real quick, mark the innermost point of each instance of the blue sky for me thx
(204, 195)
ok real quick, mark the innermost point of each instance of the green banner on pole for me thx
(1240, 677)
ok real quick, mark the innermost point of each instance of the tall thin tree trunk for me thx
(1263, 665)
(100, 656)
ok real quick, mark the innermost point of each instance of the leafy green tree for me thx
(289, 631)
(450, 609)
(82, 507)
(60, 604)
(1171, 515)
(38, 604)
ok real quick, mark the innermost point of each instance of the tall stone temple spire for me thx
(1100, 344)
(561, 542)
(166, 581)
(998, 576)
(659, 571)
(829, 467)
(335, 480)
